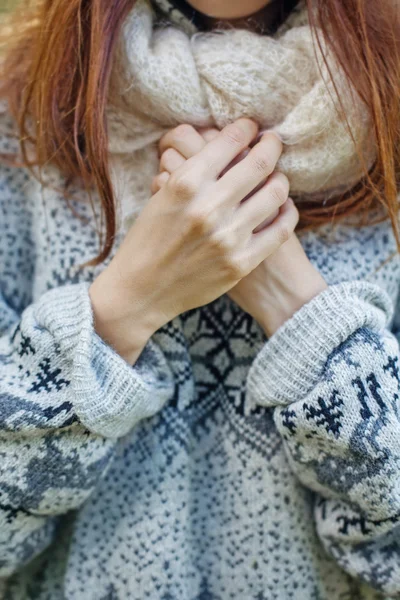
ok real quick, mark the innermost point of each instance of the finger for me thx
(242, 179)
(266, 242)
(159, 181)
(224, 148)
(264, 203)
(235, 161)
(267, 221)
(184, 139)
(208, 134)
(171, 160)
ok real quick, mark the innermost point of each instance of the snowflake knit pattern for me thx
(222, 465)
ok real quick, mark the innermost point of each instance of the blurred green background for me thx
(5, 4)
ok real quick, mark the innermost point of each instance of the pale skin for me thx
(236, 13)
(281, 284)
(232, 9)
(220, 221)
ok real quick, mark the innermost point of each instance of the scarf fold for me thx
(165, 76)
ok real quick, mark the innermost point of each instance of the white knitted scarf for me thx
(164, 76)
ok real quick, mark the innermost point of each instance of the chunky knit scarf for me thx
(165, 75)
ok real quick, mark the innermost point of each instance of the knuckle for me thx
(279, 193)
(262, 163)
(283, 234)
(183, 185)
(220, 242)
(236, 268)
(200, 221)
(235, 135)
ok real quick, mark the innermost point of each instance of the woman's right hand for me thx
(194, 240)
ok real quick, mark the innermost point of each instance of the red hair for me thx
(57, 66)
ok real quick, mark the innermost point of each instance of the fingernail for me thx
(271, 131)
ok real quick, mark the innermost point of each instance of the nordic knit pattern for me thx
(222, 466)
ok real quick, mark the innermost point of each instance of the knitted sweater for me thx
(222, 465)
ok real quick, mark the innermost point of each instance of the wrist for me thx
(285, 304)
(292, 282)
(120, 319)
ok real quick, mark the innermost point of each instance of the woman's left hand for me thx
(280, 285)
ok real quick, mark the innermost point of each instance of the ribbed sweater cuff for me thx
(290, 364)
(109, 395)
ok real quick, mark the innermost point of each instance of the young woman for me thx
(197, 403)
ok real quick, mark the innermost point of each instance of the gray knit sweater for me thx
(222, 466)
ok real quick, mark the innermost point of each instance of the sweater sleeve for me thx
(332, 375)
(65, 396)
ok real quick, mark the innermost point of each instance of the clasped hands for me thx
(284, 281)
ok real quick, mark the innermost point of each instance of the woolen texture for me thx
(163, 76)
(222, 465)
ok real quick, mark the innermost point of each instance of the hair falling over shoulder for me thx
(56, 70)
